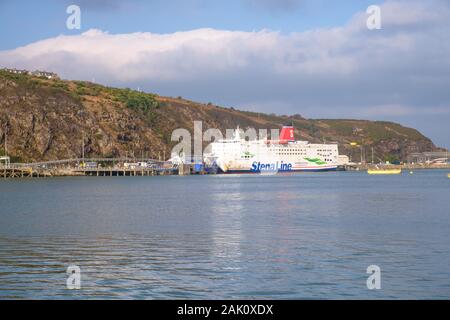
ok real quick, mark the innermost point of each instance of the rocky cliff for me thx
(48, 119)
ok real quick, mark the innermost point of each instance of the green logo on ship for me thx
(316, 161)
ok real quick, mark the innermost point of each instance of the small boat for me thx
(448, 175)
(384, 171)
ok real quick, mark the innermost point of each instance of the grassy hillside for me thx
(47, 119)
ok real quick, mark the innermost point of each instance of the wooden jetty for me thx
(125, 172)
(118, 167)
(13, 172)
(97, 167)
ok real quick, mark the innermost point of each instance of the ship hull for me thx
(294, 170)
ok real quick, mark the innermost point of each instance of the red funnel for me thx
(287, 134)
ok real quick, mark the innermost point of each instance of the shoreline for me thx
(15, 172)
(360, 167)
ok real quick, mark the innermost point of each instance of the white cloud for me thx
(405, 64)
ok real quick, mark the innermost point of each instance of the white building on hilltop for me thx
(36, 73)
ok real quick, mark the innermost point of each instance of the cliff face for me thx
(47, 120)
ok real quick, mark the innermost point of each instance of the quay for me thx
(406, 166)
(119, 167)
(96, 167)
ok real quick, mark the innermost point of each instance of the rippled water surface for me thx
(281, 237)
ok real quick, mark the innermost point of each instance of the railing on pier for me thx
(79, 166)
(86, 160)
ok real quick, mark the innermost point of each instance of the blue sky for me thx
(23, 22)
(314, 58)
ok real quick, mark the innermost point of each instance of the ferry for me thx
(238, 155)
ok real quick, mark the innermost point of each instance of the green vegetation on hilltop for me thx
(145, 103)
(136, 100)
(20, 79)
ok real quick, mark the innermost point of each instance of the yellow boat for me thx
(384, 171)
(448, 175)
